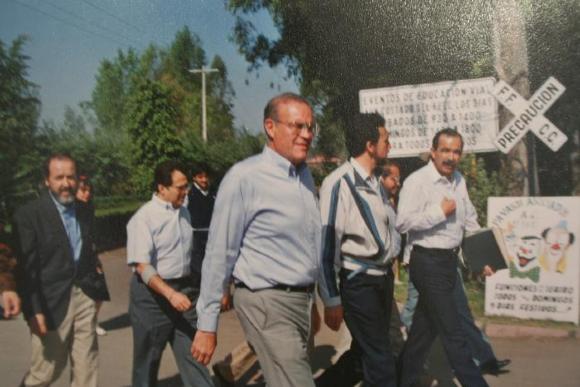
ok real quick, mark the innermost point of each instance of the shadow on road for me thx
(117, 322)
(321, 357)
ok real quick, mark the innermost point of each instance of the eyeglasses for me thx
(298, 127)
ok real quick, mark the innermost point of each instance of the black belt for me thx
(436, 251)
(286, 288)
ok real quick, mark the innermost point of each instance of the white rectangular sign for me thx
(414, 113)
(543, 274)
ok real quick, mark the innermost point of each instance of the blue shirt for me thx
(71, 226)
(265, 229)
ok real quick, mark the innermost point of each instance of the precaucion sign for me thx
(529, 115)
(540, 239)
(414, 113)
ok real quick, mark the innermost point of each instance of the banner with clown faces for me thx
(540, 241)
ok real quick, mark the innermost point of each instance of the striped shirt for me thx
(355, 226)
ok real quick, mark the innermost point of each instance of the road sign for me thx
(529, 115)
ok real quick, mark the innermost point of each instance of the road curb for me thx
(522, 331)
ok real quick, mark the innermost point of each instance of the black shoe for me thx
(223, 382)
(494, 367)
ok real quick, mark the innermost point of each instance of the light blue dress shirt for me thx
(265, 229)
(160, 235)
(71, 225)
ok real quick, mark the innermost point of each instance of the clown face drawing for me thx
(557, 240)
(524, 263)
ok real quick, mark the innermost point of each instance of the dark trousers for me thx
(476, 340)
(367, 302)
(155, 323)
(434, 274)
(347, 371)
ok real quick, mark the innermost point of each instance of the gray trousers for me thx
(155, 323)
(277, 325)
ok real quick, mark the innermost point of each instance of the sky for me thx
(69, 38)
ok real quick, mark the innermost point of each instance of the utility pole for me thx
(511, 65)
(203, 71)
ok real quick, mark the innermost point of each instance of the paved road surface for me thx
(536, 361)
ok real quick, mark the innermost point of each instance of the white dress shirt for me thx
(161, 235)
(421, 216)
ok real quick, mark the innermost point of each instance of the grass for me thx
(128, 206)
(476, 297)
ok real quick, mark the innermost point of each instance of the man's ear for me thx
(370, 147)
(269, 127)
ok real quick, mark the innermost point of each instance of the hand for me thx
(488, 271)
(37, 324)
(448, 206)
(315, 319)
(179, 301)
(333, 316)
(203, 346)
(100, 270)
(226, 301)
(11, 303)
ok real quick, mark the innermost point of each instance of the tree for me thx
(553, 39)
(151, 125)
(19, 111)
(337, 48)
(115, 81)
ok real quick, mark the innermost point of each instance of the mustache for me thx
(450, 163)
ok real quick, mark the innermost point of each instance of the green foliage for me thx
(481, 184)
(150, 123)
(19, 111)
(115, 81)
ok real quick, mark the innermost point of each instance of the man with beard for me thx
(435, 210)
(56, 263)
(357, 239)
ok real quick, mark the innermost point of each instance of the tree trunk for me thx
(511, 65)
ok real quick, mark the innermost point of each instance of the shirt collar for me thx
(204, 192)
(162, 203)
(360, 170)
(370, 180)
(436, 176)
(281, 162)
(61, 207)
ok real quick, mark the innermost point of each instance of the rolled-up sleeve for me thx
(140, 246)
(225, 237)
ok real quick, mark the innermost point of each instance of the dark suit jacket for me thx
(46, 269)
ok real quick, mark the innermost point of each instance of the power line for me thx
(112, 15)
(74, 15)
(69, 23)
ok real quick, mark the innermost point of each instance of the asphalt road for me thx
(535, 361)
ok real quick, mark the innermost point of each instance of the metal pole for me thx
(203, 71)
(203, 108)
